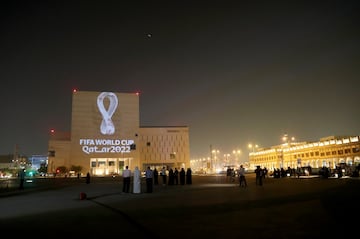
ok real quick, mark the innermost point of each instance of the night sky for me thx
(235, 72)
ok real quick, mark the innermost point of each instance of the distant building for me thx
(327, 152)
(6, 161)
(106, 136)
(10, 164)
(37, 160)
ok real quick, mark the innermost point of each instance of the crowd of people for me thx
(174, 176)
(165, 176)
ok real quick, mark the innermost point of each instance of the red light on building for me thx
(74, 90)
(52, 131)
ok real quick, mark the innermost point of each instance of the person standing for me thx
(163, 175)
(182, 176)
(242, 179)
(171, 176)
(137, 180)
(22, 178)
(126, 179)
(188, 176)
(259, 176)
(228, 175)
(176, 176)
(156, 176)
(87, 178)
(149, 180)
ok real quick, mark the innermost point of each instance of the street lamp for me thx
(253, 147)
(213, 164)
(237, 154)
(208, 164)
(287, 141)
(226, 159)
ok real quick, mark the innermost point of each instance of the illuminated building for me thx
(106, 136)
(327, 152)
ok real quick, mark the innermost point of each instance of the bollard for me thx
(82, 196)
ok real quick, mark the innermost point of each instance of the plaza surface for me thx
(211, 207)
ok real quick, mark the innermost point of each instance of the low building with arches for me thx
(328, 152)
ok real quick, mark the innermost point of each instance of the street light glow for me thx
(253, 147)
(237, 156)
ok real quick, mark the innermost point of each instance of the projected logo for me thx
(107, 103)
(107, 126)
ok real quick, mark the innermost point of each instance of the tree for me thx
(76, 168)
(61, 170)
(43, 168)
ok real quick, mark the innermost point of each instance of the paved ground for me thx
(209, 208)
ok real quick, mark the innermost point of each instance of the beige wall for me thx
(168, 146)
(61, 148)
(86, 122)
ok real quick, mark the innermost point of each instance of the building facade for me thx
(327, 152)
(106, 136)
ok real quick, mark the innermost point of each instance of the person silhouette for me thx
(137, 180)
(88, 178)
(188, 176)
(182, 176)
(156, 176)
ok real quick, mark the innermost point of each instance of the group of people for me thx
(259, 175)
(169, 177)
(173, 176)
(231, 175)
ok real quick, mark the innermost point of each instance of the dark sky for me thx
(234, 72)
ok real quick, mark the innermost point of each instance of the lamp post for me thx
(226, 156)
(237, 154)
(287, 140)
(253, 147)
(287, 143)
(208, 164)
(213, 164)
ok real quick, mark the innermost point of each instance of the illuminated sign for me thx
(107, 126)
(106, 145)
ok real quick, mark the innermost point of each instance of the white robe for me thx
(137, 181)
